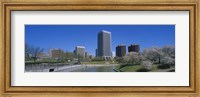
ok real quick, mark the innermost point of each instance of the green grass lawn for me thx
(135, 68)
(129, 68)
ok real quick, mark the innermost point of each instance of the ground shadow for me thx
(164, 66)
(142, 70)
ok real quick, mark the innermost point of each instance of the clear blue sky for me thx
(67, 37)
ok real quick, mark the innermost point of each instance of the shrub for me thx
(146, 65)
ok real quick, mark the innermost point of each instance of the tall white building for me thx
(80, 51)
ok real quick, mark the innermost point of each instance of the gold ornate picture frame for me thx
(86, 5)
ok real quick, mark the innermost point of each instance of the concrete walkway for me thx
(69, 68)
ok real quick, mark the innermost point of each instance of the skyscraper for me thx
(121, 50)
(104, 44)
(134, 48)
(80, 51)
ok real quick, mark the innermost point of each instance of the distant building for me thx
(50, 53)
(80, 51)
(121, 50)
(91, 56)
(104, 44)
(113, 54)
(96, 51)
(42, 56)
(86, 54)
(134, 48)
(55, 53)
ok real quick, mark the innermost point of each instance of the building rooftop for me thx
(121, 45)
(134, 44)
(80, 46)
(55, 49)
(104, 31)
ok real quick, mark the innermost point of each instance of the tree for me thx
(69, 55)
(153, 54)
(132, 58)
(126, 58)
(80, 57)
(169, 51)
(27, 52)
(146, 65)
(119, 59)
(167, 60)
(98, 59)
(61, 55)
(35, 52)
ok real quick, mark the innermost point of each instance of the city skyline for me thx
(62, 36)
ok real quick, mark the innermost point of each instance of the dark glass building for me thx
(104, 44)
(96, 51)
(121, 50)
(134, 48)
